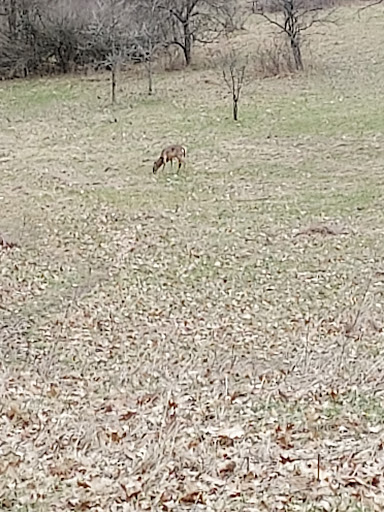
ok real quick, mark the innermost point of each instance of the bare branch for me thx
(194, 21)
(297, 18)
(173, 12)
(370, 5)
(272, 21)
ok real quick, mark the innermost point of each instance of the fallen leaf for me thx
(127, 415)
(81, 483)
(192, 497)
(131, 489)
(227, 467)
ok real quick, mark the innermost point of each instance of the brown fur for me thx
(168, 155)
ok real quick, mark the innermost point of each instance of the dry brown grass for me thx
(168, 343)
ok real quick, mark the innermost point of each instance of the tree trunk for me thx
(150, 74)
(296, 50)
(113, 82)
(187, 43)
(235, 107)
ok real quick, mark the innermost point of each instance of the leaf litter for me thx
(169, 345)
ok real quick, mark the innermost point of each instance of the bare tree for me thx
(293, 18)
(191, 21)
(234, 73)
(113, 18)
(234, 14)
(148, 35)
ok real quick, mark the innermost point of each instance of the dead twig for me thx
(322, 229)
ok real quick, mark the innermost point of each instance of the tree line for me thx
(42, 36)
(60, 36)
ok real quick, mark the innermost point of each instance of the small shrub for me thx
(273, 57)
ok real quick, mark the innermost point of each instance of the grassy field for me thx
(211, 340)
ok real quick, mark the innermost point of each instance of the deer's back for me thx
(173, 151)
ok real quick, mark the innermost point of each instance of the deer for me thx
(168, 155)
